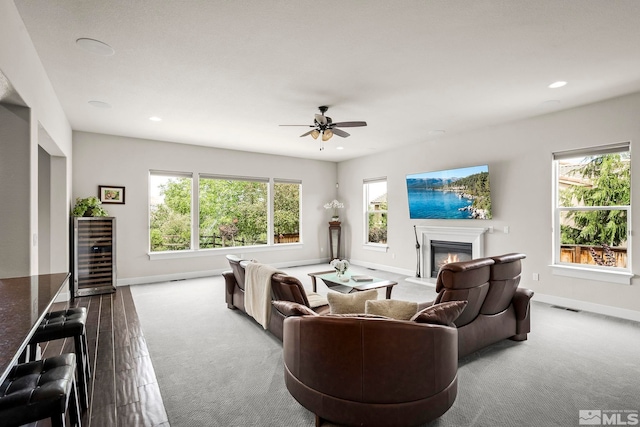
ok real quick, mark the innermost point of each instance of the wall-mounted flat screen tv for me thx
(450, 194)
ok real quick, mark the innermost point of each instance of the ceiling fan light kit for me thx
(323, 125)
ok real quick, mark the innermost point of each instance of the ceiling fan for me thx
(323, 125)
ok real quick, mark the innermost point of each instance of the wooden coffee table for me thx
(333, 282)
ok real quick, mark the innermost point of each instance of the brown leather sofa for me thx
(283, 287)
(497, 308)
(234, 283)
(363, 371)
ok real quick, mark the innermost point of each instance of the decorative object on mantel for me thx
(335, 205)
(341, 266)
(89, 206)
(111, 194)
(417, 252)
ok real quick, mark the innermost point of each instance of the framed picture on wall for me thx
(111, 194)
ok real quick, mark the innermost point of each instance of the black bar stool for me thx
(66, 324)
(37, 390)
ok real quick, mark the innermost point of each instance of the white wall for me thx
(21, 67)
(15, 173)
(44, 211)
(519, 159)
(112, 160)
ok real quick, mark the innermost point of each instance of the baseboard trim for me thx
(425, 281)
(168, 277)
(206, 273)
(606, 310)
(382, 267)
(301, 263)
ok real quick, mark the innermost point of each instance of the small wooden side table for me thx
(335, 232)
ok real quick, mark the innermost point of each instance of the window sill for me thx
(218, 251)
(375, 247)
(619, 276)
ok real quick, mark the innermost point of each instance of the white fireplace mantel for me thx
(473, 235)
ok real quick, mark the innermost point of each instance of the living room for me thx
(519, 152)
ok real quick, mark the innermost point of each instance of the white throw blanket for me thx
(257, 288)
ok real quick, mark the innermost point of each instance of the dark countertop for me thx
(23, 303)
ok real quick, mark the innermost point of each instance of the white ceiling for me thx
(227, 73)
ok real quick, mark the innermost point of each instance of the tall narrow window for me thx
(233, 211)
(286, 211)
(375, 207)
(169, 211)
(592, 215)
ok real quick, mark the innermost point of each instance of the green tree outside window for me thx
(593, 205)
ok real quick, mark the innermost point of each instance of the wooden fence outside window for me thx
(581, 254)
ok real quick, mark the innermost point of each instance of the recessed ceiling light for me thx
(437, 132)
(95, 46)
(339, 148)
(155, 119)
(557, 84)
(99, 104)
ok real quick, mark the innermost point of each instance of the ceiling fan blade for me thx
(320, 118)
(349, 124)
(306, 133)
(340, 132)
(310, 126)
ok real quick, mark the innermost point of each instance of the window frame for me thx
(195, 250)
(382, 247)
(621, 275)
(235, 178)
(272, 231)
(171, 174)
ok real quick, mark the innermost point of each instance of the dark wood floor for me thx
(123, 390)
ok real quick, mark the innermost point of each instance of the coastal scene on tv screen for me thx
(450, 194)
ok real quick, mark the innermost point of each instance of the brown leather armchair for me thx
(283, 287)
(497, 308)
(362, 371)
(234, 283)
(288, 288)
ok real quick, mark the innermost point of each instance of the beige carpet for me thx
(217, 367)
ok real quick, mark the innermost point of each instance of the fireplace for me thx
(472, 237)
(444, 252)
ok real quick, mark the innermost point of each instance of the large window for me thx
(233, 212)
(592, 212)
(221, 211)
(170, 211)
(375, 207)
(286, 211)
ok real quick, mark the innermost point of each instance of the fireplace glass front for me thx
(444, 252)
